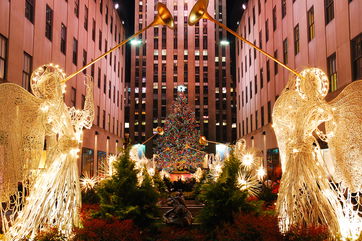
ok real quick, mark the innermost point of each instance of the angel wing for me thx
(345, 140)
(22, 134)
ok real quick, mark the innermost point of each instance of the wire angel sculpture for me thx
(34, 197)
(307, 194)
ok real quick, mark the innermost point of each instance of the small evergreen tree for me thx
(181, 131)
(121, 197)
(159, 184)
(223, 199)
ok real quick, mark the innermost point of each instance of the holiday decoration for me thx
(178, 148)
(306, 195)
(50, 195)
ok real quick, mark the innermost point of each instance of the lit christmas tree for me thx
(177, 148)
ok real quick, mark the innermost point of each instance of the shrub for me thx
(248, 227)
(122, 198)
(107, 230)
(318, 233)
(90, 197)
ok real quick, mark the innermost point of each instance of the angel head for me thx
(313, 84)
(47, 82)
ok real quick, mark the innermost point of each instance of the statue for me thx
(306, 195)
(49, 195)
(179, 214)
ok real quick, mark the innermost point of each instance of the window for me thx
(73, 96)
(100, 41)
(3, 57)
(256, 84)
(284, 8)
(261, 78)
(262, 116)
(329, 10)
(251, 89)
(98, 115)
(111, 26)
(49, 23)
(93, 30)
(268, 70)
(285, 51)
(275, 63)
(274, 18)
(269, 112)
(84, 60)
(27, 67)
(260, 40)
(356, 46)
(104, 84)
(310, 19)
(99, 78)
(83, 101)
(267, 30)
(106, 15)
(75, 51)
(253, 15)
(249, 28)
(63, 39)
(104, 119)
(101, 6)
(76, 8)
(29, 10)
(296, 39)
(85, 18)
(259, 7)
(332, 72)
(256, 120)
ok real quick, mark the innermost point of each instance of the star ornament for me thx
(181, 88)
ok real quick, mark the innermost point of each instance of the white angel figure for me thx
(306, 196)
(50, 197)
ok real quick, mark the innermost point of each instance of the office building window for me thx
(84, 60)
(329, 10)
(76, 8)
(99, 77)
(332, 72)
(85, 18)
(311, 30)
(63, 39)
(256, 120)
(269, 112)
(104, 119)
(73, 97)
(93, 30)
(284, 8)
(296, 39)
(106, 16)
(356, 49)
(262, 116)
(98, 115)
(29, 10)
(256, 84)
(27, 67)
(104, 84)
(274, 18)
(100, 40)
(3, 57)
(261, 78)
(275, 63)
(285, 51)
(101, 6)
(268, 70)
(49, 23)
(267, 30)
(75, 51)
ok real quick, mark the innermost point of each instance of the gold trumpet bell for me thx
(198, 12)
(164, 17)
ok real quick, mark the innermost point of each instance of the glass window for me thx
(311, 31)
(285, 51)
(49, 23)
(284, 8)
(3, 57)
(73, 96)
(87, 166)
(27, 67)
(329, 10)
(75, 51)
(332, 72)
(85, 18)
(296, 39)
(29, 10)
(356, 49)
(63, 39)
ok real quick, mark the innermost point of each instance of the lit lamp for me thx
(199, 11)
(158, 131)
(163, 18)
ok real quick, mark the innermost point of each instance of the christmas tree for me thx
(177, 148)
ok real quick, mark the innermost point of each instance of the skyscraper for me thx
(197, 57)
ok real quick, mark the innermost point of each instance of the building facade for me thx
(300, 33)
(70, 34)
(197, 57)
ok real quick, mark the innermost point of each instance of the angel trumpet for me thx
(163, 18)
(199, 11)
